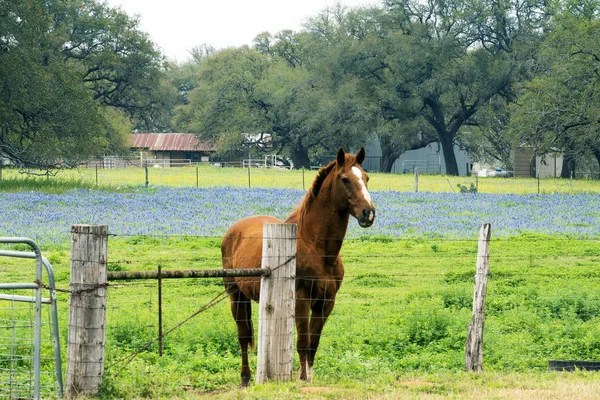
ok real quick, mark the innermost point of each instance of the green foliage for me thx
(465, 189)
(427, 321)
(375, 280)
(62, 64)
(555, 108)
(353, 73)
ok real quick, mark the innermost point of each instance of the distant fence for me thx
(219, 174)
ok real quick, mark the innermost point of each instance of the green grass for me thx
(207, 175)
(400, 322)
(398, 329)
(15, 183)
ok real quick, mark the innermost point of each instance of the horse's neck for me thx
(323, 229)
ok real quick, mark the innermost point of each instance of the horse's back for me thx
(242, 248)
(242, 244)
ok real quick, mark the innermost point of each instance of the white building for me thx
(428, 159)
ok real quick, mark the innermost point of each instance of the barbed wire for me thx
(127, 359)
(373, 238)
(88, 288)
(351, 258)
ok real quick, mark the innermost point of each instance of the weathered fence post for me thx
(277, 304)
(416, 180)
(146, 168)
(474, 346)
(87, 309)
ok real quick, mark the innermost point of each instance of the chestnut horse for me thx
(338, 191)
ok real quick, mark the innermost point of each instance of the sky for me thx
(177, 26)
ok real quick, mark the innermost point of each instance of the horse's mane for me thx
(312, 193)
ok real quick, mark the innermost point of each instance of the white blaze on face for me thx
(356, 171)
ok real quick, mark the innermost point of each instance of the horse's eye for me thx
(345, 179)
(368, 179)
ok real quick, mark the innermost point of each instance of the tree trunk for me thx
(387, 163)
(438, 122)
(299, 156)
(447, 143)
(388, 155)
(597, 155)
(568, 166)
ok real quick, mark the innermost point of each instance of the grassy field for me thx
(400, 322)
(206, 175)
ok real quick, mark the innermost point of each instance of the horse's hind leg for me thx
(241, 308)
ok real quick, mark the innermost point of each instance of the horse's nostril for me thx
(368, 215)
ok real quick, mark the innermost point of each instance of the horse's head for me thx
(350, 187)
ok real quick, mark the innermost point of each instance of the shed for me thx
(171, 149)
(525, 164)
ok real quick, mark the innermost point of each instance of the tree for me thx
(62, 64)
(558, 109)
(445, 61)
(225, 99)
(122, 67)
(486, 136)
(184, 77)
(271, 93)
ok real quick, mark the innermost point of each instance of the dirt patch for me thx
(415, 384)
(317, 390)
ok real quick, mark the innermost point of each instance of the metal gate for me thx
(20, 356)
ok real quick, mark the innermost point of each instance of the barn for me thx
(171, 149)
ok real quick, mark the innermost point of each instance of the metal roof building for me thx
(168, 149)
(170, 142)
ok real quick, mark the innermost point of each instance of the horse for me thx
(338, 191)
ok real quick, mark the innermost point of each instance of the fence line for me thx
(207, 176)
(443, 297)
(417, 275)
(341, 325)
(88, 303)
(377, 238)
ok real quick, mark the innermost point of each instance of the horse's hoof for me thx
(245, 383)
(306, 374)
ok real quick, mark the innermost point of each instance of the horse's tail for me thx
(241, 308)
(250, 327)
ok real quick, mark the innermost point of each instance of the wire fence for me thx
(404, 305)
(207, 175)
(406, 308)
(17, 338)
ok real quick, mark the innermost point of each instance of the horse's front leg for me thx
(302, 329)
(320, 312)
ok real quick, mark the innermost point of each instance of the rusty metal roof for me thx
(170, 142)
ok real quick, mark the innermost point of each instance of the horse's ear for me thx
(341, 157)
(360, 156)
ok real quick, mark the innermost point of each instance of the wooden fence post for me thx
(87, 309)
(416, 180)
(277, 304)
(474, 346)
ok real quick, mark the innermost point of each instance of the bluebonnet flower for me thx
(47, 218)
